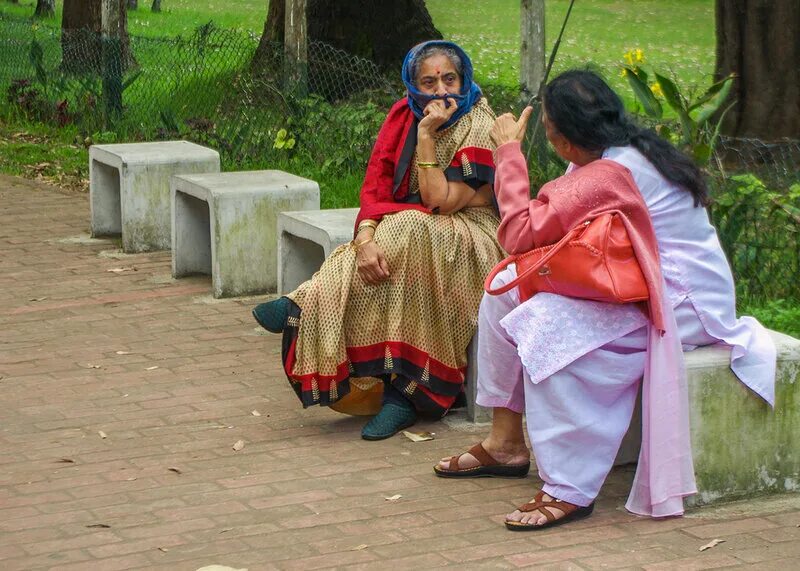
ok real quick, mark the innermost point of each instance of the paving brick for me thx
(706, 560)
(87, 539)
(714, 530)
(110, 564)
(164, 529)
(769, 552)
(631, 559)
(536, 556)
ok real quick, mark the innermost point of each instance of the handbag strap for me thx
(487, 285)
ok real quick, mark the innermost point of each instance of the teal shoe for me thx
(272, 315)
(392, 418)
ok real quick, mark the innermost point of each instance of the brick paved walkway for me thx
(171, 378)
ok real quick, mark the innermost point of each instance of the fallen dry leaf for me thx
(37, 299)
(712, 543)
(255, 413)
(393, 498)
(418, 436)
(100, 525)
(102, 434)
(176, 470)
(92, 366)
(153, 368)
(238, 445)
(120, 270)
(360, 547)
(130, 479)
(65, 461)
(123, 352)
(163, 549)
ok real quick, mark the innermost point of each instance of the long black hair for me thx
(583, 108)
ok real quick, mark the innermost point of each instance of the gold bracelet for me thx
(367, 224)
(427, 165)
(357, 245)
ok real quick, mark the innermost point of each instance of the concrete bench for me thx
(306, 239)
(224, 224)
(129, 189)
(740, 446)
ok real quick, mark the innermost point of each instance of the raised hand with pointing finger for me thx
(507, 128)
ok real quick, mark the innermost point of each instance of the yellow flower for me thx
(656, 89)
(624, 72)
(628, 57)
(639, 55)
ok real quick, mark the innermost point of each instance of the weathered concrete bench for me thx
(224, 224)
(305, 239)
(740, 446)
(129, 189)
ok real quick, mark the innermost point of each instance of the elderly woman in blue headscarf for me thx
(383, 327)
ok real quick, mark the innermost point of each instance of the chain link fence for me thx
(226, 90)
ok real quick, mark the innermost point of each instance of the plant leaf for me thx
(649, 103)
(418, 436)
(705, 111)
(711, 91)
(712, 543)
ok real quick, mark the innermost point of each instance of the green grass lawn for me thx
(676, 35)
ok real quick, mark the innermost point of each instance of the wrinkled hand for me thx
(506, 128)
(436, 114)
(371, 264)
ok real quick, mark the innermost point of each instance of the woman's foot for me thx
(488, 466)
(545, 511)
(506, 453)
(272, 315)
(392, 418)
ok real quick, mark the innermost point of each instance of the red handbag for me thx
(592, 261)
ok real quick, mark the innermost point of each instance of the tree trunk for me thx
(45, 8)
(156, 7)
(379, 31)
(133, 4)
(81, 36)
(759, 40)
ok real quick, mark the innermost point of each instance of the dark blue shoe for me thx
(272, 315)
(392, 418)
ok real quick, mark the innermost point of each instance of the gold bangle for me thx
(357, 245)
(367, 224)
(427, 165)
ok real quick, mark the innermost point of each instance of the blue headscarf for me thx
(470, 92)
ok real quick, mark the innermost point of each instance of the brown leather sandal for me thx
(488, 467)
(571, 513)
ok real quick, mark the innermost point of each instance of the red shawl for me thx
(601, 186)
(377, 196)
